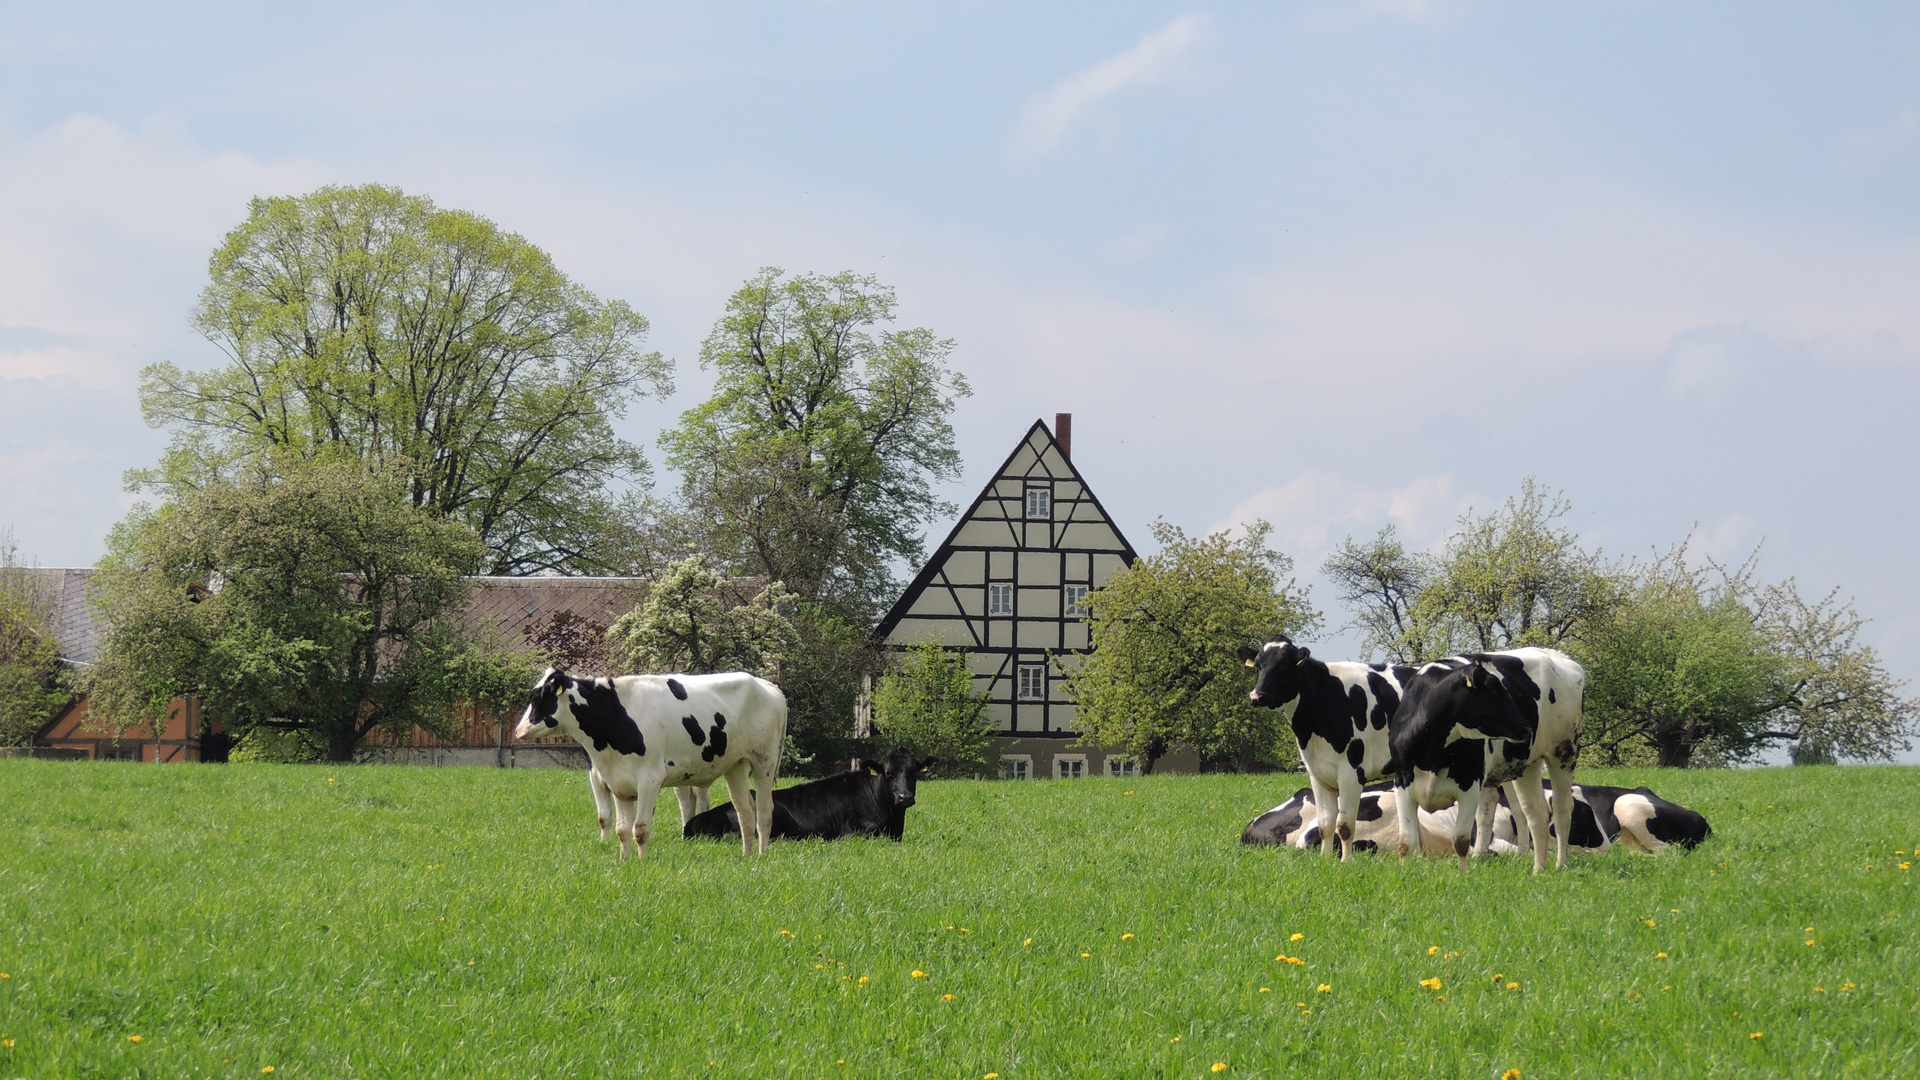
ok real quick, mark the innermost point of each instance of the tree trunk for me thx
(1674, 742)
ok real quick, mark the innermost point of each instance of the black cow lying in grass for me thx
(1602, 817)
(852, 803)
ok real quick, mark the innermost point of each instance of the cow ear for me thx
(1472, 669)
(1304, 653)
(1247, 653)
(870, 765)
(927, 763)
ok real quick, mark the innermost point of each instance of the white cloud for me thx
(1867, 151)
(1045, 120)
(1312, 512)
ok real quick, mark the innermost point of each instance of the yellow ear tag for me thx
(1250, 663)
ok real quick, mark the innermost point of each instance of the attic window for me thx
(999, 599)
(1039, 503)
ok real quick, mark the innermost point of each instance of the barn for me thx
(1005, 588)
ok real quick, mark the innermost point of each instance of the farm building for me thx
(1005, 588)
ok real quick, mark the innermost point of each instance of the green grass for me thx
(405, 922)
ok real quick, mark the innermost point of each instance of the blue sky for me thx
(1334, 264)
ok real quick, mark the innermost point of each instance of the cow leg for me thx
(1325, 807)
(643, 818)
(602, 800)
(1463, 822)
(763, 779)
(1349, 812)
(1562, 773)
(693, 802)
(1522, 831)
(1534, 804)
(1483, 819)
(745, 807)
(626, 812)
(1409, 820)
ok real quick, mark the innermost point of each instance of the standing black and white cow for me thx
(1339, 712)
(868, 801)
(1469, 722)
(645, 732)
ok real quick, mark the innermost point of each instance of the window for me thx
(1121, 766)
(1075, 597)
(1039, 503)
(1016, 767)
(999, 599)
(1070, 767)
(1032, 685)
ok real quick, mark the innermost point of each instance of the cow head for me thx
(899, 775)
(1276, 671)
(1475, 698)
(546, 707)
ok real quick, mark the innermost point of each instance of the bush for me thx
(927, 705)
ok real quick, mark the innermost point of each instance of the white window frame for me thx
(1030, 682)
(1073, 599)
(1016, 766)
(1062, 760)
(999, 598)
(1122, 766)
(1039, 504)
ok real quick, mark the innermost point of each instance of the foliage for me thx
(366, 324)
(325, 896)
(813, 461)
(1165, 632)
(821, 679)
(1380, 582)
(1841, 702)
(317, 603)
(927, 705)
(690, 623)
(31, 689)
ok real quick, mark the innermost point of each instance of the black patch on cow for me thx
(1357, 757)
(694, 731)
(1365, 845)
(1369, 810)
(678, 690)
(717, 738)
(1312, 839)
(604, 720)
(1550, 698)
(1385, 700)
(1672, 823)
(1274, 826)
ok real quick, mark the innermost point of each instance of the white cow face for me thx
(552, 694)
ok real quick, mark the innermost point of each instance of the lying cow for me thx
(1601, 816)
(1470, 722)
(643, 732)
(852, 803)
(1339, 712)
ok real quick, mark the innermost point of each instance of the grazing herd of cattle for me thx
(1460, 744)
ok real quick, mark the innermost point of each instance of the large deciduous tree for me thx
(813, 462)
(1164, 672)
(31, 686)
(366, 324)
(320, 604)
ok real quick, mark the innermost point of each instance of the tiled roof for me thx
(506, 606)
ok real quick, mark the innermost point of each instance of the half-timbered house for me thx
(1005, 588)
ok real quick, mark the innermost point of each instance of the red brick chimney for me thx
(1063, 433)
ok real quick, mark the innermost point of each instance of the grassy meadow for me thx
(385, 921)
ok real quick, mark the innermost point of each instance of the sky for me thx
(1335, 265)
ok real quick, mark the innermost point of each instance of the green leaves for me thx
(927, 705)
(688, 624)
(1164, 670)
(366, 324)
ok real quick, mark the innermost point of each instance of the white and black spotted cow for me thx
(1339, 713)
(1296, 824)
(645, 732)
(1469, 722)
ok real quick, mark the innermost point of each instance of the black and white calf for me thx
(645, 732)
(1469, 722)
(853, 803)
(1339, 712)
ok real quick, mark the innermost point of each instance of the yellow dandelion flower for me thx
(265, 1069)
(1664, 989)
(1809, 941)
(946, 997)
(1755, 1035)
(1299, 1004)
(1086, 955)
(1431, 984)
(1844, 987)
(133, 1038)
(1819, 989)
(1126, 793)
(1323, 988)
(1659, 956)
(1498, 976)
(1906, 866)
(1650, 923)
(1266, 989)
(862, 980)
(6, 1044)
(918, 974)
(786, 933)
(993, 1076)
(1806, 929)
(1219, 1066)
(1439, 997)
(1510, 1074)
(1513, 986)
(1309, 1012)
(4, 975)
(964, 930)
(1433, 950)
(1298, 937)
(1029, 941)
(1175, 1039)
(817, 967)
(1673, 911)
(1126, 937)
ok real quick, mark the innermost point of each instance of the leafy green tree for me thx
(365, 324)
(813, 461)
(31, 688)
(691, 623)
(1164, 670)
(320, 603)
(927, 705)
